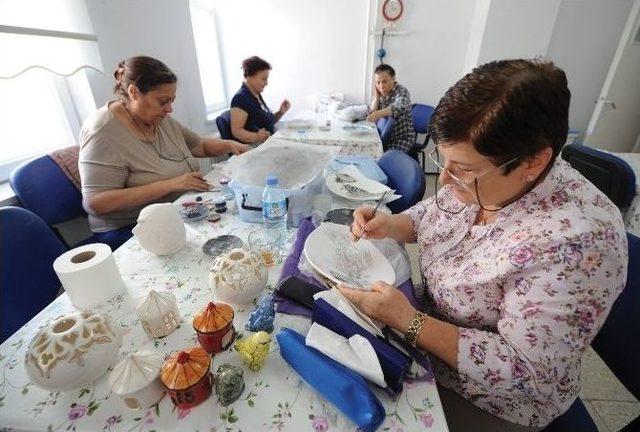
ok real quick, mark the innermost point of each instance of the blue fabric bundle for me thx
(344, 388)
(394, 363)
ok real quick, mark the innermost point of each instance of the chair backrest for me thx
(385, 128)
(223, 122)
(607, 172)
(42, 187)
(614, 343)
(28, 248)
(421, 115)
(405, 176)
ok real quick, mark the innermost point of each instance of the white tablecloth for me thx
(275, 398)
(366, 144)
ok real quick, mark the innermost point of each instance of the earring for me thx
(531, 178)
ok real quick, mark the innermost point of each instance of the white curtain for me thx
(56, 35)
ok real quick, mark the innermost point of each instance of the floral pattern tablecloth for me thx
(364, 144)
(275, 398)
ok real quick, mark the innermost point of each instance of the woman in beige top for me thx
(132, 153)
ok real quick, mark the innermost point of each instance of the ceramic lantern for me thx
(238, 276)
(159, 314)
(186, 376)
(73, 350)
(214, 326)
(136, 379)
(160, 229)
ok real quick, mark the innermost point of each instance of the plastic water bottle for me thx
(274, 207)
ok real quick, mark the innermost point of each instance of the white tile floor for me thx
(610, 404)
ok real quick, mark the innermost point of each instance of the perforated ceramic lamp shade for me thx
(136, 379)
(187, 378)
(214, 326)
(159, 314)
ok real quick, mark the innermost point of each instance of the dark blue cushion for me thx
(421, 115)
(405, 176)
(223, 122)
(576, 419)
(43, 188)
(29, 284)
(623, 326)
(607, 172)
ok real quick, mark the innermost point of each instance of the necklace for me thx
(158, 137)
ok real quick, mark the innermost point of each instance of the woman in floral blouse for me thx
(392, 99)
(522, 257)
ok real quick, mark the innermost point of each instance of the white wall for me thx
(429, 53)
(583, 43)
(312, 46)
(157, 28)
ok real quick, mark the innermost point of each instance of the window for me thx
(41, 109)
(205, 34)
(33, 109)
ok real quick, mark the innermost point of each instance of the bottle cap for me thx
(272, 180)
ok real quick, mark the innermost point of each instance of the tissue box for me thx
(299, 201)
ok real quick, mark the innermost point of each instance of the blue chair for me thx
(614, 344)
(607, 172)
(43, 188)
(223, 122)
(421, 115)
(405, 176)
(28, 249)
(385, 129)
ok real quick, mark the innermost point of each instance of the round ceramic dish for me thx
(221, 244)
(330, 251)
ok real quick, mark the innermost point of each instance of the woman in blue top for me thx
(251, 119)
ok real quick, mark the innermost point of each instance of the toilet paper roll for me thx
(89, 275)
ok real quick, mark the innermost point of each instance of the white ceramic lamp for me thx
(73, 350)
(160, 229)
(238, 276)
(159, 314)
(136, 379)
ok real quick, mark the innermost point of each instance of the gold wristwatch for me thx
(415, 326)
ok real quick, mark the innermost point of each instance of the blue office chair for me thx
(223, 122)
(43, 188)
(385, 129)
(421, 115)
(405, 176)
(607, 172)
(28, 248)
(614, 344)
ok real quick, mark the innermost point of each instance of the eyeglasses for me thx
(466, 184)
(470, 184)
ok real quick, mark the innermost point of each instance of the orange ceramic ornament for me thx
(214, 325)
(187, 378)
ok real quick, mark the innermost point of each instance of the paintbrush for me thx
(373, 215)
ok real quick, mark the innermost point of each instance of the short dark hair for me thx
(146, 73)
(507, 109)
(385, 68)
(253, 65)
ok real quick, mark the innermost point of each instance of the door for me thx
(615, 123)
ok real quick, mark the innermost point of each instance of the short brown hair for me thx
(146, 73)
(385, 68)
(253, 65)
(507, 109)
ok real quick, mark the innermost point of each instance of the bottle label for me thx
(274, 210)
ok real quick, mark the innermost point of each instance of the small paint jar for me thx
(220, 204)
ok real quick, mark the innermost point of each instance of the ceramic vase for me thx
(136, 379)
(160, 229)
(238, 276)
(73, 350)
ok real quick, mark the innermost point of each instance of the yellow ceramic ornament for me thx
(254, 349)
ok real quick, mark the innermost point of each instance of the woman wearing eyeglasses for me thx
(132, 153)
(521, 257)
